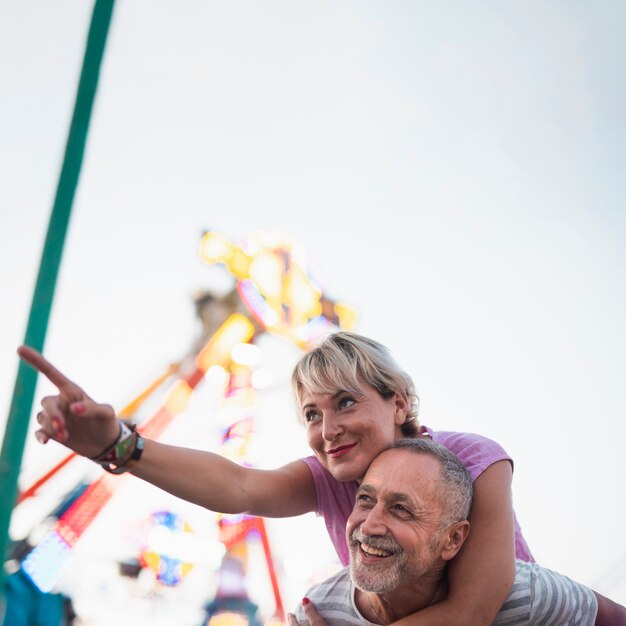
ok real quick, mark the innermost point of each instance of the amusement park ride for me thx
(276, 293)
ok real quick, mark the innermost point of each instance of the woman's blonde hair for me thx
(346, 360)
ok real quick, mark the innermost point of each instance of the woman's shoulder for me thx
(324, 480)
(476, 452)
(457, 439)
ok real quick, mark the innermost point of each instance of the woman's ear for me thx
(401, 408)
(453, 538)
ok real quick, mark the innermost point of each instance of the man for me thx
(408, 521)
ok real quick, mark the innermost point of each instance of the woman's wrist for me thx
(124, 452)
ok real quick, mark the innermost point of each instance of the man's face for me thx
(393, 531)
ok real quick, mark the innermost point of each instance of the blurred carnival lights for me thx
(277, 293)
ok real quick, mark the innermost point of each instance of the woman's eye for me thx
(344, 403)
(311, 416)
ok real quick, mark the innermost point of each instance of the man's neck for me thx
(385, 608)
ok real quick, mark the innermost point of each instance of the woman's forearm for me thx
(214, 482)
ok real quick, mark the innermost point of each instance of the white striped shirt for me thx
(539, 596)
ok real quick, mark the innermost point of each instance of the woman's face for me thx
(347, 431)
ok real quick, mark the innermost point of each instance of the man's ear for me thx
(453, 538)
(401, 406)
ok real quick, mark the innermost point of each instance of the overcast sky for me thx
(455, 172)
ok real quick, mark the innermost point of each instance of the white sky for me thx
(454, 170)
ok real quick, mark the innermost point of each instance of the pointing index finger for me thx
(41, 364)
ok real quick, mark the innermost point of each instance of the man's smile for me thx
(372, 551)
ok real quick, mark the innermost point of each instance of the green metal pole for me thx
(24, 390)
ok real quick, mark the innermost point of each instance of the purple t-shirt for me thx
(335, 499)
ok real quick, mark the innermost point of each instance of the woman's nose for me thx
(331, 427)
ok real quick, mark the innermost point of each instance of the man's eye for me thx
(364, 499)
(400, 509)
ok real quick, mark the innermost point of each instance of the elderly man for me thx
(409, 520)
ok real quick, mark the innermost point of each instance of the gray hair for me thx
(347, 360)
(454, 486)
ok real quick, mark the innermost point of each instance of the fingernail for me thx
(78, 407)
(60, 432)
(305, 600)
(41, 437)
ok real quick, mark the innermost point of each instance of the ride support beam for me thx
(25, 384)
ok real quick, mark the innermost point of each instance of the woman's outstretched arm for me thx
(88, 428)
(480, 577)
(218, 484)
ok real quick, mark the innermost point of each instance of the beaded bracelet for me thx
(125, 451)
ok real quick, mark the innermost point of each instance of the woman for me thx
(354, 401)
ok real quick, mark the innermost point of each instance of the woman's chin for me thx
(345, 473)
